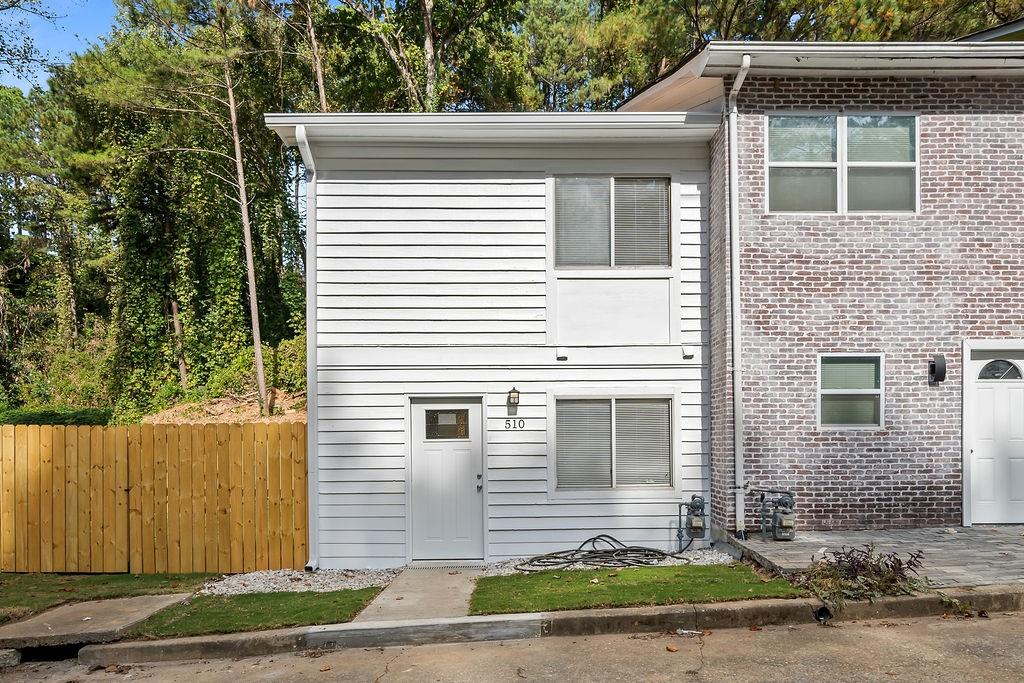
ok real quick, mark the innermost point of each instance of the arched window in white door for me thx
(1000, 369)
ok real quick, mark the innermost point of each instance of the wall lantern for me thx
(937, 369)
(513, 397)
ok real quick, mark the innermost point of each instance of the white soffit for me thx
(551, 128)
(722, 58)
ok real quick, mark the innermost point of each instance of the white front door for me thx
(447, 481)
(996, 444)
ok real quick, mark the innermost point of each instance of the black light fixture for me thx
(513, 397)
(937, 369)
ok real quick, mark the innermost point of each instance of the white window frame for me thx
(611, 178)
(880, 392)
(842, 164)
(673, 273)
(671, 491)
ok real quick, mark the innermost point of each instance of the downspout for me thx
(312, 461)
(734, 287)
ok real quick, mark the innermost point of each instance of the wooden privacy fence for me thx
(153, 498)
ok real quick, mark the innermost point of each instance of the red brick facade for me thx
(907, 286)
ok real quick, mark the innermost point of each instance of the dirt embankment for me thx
(287, 408)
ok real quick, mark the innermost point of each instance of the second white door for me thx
(997, 443)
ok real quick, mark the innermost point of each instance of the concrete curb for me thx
(523, 626)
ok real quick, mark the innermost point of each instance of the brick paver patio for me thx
(955, 556)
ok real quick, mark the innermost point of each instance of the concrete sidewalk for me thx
(423, 593)
(96, 621)
(670, 618)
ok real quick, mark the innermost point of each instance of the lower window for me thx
(850, 391)
(613, 442)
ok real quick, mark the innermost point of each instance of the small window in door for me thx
(448, 424)
(999, 369)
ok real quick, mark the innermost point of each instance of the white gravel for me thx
(699, 556)
(325, 580)
(292, 581)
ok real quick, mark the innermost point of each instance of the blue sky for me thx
(78, 24)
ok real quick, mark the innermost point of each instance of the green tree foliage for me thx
(17, 51)
(124, 282)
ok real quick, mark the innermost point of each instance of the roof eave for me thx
(494, 128)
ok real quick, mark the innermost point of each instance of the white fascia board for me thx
(497, 128)
(867, 59)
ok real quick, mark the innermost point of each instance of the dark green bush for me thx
(56, 416)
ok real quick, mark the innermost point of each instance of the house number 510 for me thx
(515, 424)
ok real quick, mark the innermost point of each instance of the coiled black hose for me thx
(600, 551)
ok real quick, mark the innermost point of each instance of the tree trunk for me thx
(429, 57)
(318, 62)
(250, 266)
(179, 345)
(68, 307)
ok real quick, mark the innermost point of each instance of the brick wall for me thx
(907, 286)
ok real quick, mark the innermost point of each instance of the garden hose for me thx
(600, 551)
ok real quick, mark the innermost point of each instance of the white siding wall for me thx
(432, 281)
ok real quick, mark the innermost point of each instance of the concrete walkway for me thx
(96, 621)
(954, 556)
(423, 593)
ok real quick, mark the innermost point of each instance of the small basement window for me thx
(613, 443)
(850, 391)
(603, 222)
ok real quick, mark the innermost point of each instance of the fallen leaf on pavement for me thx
(672, 648)
(755, 627)
(521, 672)
(325, 667)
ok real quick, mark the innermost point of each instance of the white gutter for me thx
(513, 128)
(734, 285)
(312, 460)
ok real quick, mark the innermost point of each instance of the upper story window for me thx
(603, 222)
(845, 163)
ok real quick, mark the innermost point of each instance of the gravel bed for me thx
(699, 556)
(293, 581)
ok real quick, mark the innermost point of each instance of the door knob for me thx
(479, 487)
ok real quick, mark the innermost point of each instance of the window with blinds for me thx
(850, 391)
(611, 443)
(846, 163)
(603, 222)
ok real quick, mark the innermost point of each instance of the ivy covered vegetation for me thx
(152, 243)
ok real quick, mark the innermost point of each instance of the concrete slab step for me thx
(81, 623)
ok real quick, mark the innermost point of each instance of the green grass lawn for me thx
(255, 611)
(560, 590)
(25, 594)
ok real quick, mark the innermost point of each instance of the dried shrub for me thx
(861, 573)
